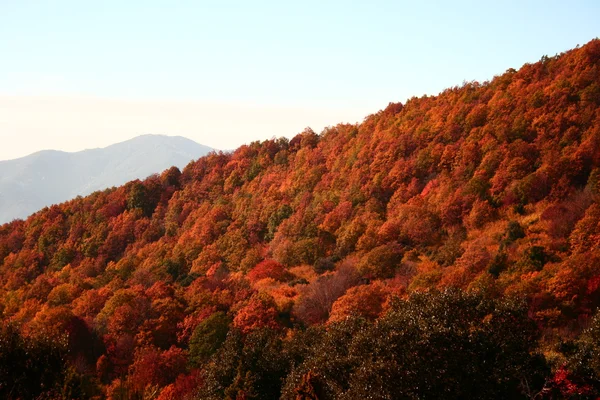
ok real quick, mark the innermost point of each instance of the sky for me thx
(84, 74)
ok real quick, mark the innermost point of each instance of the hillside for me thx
(48, 177)
(448, 247)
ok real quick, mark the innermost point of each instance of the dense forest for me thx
(448, 247)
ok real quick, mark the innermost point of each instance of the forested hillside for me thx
(448, 247)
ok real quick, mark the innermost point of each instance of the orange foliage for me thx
(260, 312)
(364, 300)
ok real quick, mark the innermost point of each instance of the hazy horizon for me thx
(69, 152)
(77, 76)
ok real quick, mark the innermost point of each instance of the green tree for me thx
(208, 336)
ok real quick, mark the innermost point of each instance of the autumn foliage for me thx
(449, 242)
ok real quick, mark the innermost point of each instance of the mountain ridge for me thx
(50, 176)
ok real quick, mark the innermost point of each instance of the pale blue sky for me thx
(309, 59)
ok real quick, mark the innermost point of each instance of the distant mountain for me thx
(47, 177)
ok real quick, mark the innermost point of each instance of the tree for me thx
(154, 368)
(317, 298)
(208, 337)
(247, 367)
(31, 367)
(268, 269)
(260, 312)
(366, 301)
(449, 344)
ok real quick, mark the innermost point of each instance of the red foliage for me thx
(260, 312)
(183, 388)
(153, 367)
(268, 269)
(567, 388)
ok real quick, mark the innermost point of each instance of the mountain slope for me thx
(449, 245)
(48, 177)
